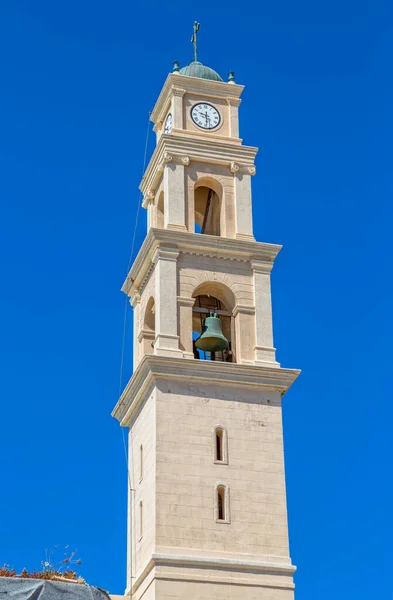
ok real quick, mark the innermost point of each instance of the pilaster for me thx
(167, 339)
(177, 107)
(265, 353)
(135, 302)
(234, 104)
(174, 193)
(185, 305)
(243, 200)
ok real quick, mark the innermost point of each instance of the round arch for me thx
(217, 290)
(207, 206)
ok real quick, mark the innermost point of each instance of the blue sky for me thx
(78, 80)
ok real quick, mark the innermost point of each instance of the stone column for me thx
(243, 203)
(234, 104)
(174, 192)
(265, 353)
(185, 305)
(167, 338)
(135, 302)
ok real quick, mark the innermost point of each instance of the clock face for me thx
(168, 124)
(205, 116)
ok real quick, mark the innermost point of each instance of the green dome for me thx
(197, 69)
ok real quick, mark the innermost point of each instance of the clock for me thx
(168, 124)
(205, 116)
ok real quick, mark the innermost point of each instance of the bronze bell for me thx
(212, 338)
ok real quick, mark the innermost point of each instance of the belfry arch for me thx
(214, 297)
(208, 194)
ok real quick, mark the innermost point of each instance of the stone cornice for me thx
(223, 565)
(154, 367)
(193, 85)
(184, 242)
(183, 149)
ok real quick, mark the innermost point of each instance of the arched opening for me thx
(140, 520)
(214, 297)
(220, 445)
(160, 211)
(149, 327)
(207, 205)
(221, 502)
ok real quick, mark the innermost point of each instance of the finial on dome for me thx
(176, 66)
(194, 39)
(231, 77)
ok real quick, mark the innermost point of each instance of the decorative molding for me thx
(164, 254)
(240, 250)
(135, 299)
(236, 168)
(178, 91)
(221, 564)
(214, 255)
(233, 101)
(243, 309)
(202, 149)
(263, 267)
(173, 158)
(153, 368)
(146, 333)
(148, 197)
(186, 301)
(193, 85)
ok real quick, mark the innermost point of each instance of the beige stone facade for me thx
(207, 500)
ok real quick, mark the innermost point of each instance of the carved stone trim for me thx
(263, 267)
(233, 101)
(186, 301)
(238, 168)
(173, 158)
(165, 254)
(243, 309)
(178, 91)
(149, 197)
(136, 298)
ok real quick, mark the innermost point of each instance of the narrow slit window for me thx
(141, 464)
(140, 519)
(221, 503)
(220, 445)
(219, 449)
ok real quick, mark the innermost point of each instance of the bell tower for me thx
(207, 509)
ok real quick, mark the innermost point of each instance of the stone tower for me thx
(207, 508)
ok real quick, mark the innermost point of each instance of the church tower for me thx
(207, 509)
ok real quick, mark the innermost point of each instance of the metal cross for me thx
(194, 38)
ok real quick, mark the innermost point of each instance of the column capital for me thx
(244, 309)
(233, 101)
(148, 197)
(135, 298)
(259, 266)
(242, 169)
(185, 301)
(169, 254)
(178, 91)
